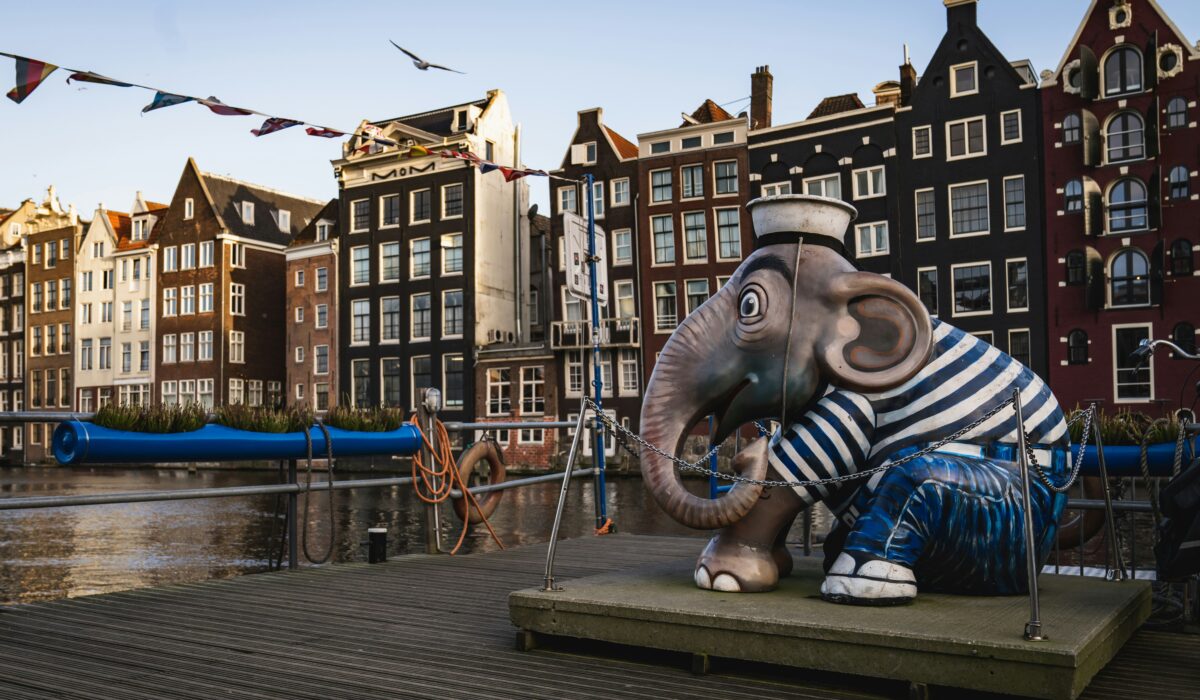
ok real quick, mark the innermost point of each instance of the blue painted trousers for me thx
(956, 521)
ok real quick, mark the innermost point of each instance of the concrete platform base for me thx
(957, 641)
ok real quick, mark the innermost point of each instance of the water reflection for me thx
(66, 552)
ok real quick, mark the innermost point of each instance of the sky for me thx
(644, 62)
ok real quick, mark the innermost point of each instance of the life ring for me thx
(486, 451)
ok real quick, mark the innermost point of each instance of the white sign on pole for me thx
(579, 280)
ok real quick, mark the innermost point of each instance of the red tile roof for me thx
(625, 149)
(709, 112)
(837, 104)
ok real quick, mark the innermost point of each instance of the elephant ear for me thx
(880, 334)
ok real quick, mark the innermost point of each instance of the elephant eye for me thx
(750, 307)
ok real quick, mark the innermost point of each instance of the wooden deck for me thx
(416, 627)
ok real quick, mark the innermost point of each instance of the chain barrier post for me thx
(1033, 628)
(597, 378)
(1110, 525)
(548, 580)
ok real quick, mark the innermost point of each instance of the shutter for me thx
(1090, 128)
(1094, 292)
(1152, 115)
(1150, 63)
(1093, 208)
(1089, 74)
(578, 153)
(1156, 274)
(1154, 199)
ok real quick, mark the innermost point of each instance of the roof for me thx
(439, 121)
(625, 149)
(837, 104)
(152, 207)
(1188, 47)
(709, 112)
(308, 234)
(228, 194)
(540, 224)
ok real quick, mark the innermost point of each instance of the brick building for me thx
(311, 312)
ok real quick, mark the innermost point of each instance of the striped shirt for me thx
(845, 431)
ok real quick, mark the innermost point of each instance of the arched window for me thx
(1127, 206)
(1076, 267)
(1073, 196)
(1125, 137)
(1181, 257)
(1179, 182)
(1122, 71)
(1184, 336)
(1176, 113)
(1129, 278)
(1077, 347)
(1072, 132)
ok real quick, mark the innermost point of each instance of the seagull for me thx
(421, 63)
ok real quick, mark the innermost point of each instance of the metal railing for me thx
(614, 333)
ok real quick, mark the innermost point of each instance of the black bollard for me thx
(376, 545)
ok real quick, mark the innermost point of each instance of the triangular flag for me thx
(30, 74)
(323, 132)
(165, 99)
(219, 107)
(417, 151)
(486, 167)
(90, 77)
(541, 173)
(511, 174)
(273, 124)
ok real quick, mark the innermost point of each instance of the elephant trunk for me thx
(692, 377)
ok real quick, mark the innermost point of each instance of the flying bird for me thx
(421, 63)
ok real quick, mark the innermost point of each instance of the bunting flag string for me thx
(31, 73)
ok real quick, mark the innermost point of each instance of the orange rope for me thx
(433, 484)
(606, 528)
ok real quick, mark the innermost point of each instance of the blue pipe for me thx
(76, 442)
(1124, 460)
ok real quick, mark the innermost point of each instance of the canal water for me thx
(65, 552)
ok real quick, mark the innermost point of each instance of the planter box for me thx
(76, 442)
(1124, 460)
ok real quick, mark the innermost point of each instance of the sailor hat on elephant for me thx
(788, 218)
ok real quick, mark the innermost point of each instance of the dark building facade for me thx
(969, 196)
(310, 312)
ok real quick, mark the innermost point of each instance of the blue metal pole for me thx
(597, 380)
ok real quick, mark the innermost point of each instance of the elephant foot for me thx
(857, 578)
(737, 567)
(783, 560)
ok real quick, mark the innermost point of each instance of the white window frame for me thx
(736, 178)
(654, 291)
(619, 287)
(237, 292)
(247, 213)
(353, 205)
(622, 260)
(353, 340)
(928, 129)
(683, 221)
(954, 312)
(870, 195)
(806, 182)
(950, 208)
(451, 403)
(316, 355)
(205, 253)
(872, 225)
(383, 208)
(1147, 367)
(616, 201)
(445, 316)
(954, 91)
(462, 200)
(299, 314)
(1004, 202)
(670, 187)
(382, 313)
(966, 124)
(598, 201)
(937, 289)
(687, 301)
(1026, 331)
(189, 209)
(412, 209)
(562, 191)
(917, 214)
(442, 247)
(412, 259)
(399, 256)
(1028, 287)
(367, 281)
(299, 354)
(298, 278)
(1020, 128)
(775, 189)
(321, 311)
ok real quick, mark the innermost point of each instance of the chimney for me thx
(908, 79)
(760, 97)
(960, 12)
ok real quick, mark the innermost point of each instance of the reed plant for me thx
(1128, 428)
(260, 419)
(367, 420)
(152, 419)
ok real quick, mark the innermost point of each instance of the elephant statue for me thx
(858, 375)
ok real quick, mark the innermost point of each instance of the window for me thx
(360, 326)
(1073, 196)
(206, 256)
(1122, 71)
(868, 182)
(968, 209)
(360, 215)
(1076, 267)
(1018, 285)
(927, 288)
(1124, 138)
(826, 186)
(187, 255)
(389, 370)
(690, 142)
(1018, 346)
(321, 359)
(1129, 279)
(598, 199)
(623, 292)
(422, 377)
(628, 365)
(51, 295)
(321, 396)
(499, 403)
(1181, 257)
(533, 391)
(665, 312)
(622, 246)
(660, 147)
(1010, 127)
(360, 384)
(204, 392)
(237, 391)
(1127, 209)
(693, 181)
(1072, 129)
(664, 239)
(389, 211)
(1184, 335)
(248, 213)
(389, 262)
(237, 346)
(419, 258)
(237, 255)
(696, 294)
(170, 302)
(1131, 384)
(567, 196)
(421, 317)
(660, 186)
(967, 138)
(51, 254)
(360, 265)
(726, 174)
(1176, 113)
(452, 254)
(926, 215)
(85, 354)
(36, 296)
(420, 206)
(389, 319)
(729, 234)
(322, 279)
(452, 201)
(776, 189)
(1178, 180)
(187, 347)
(620, 192)
(963, 79)
(452, 313)
(1014, 203)
(972, 288)
(454, 387)
(489, 151)
(237, 299)
(51, 347)
(922, 141)
(695, 236)
(323, 231)
(170, 393)
(187, 307)
(168, 349)
(170, 259)
(189, 208)
(872, 239)
(204, 347)
(106, 312)
(206, 303)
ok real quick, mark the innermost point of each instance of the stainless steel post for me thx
(562, 498)
(1110, 524)
(427, 416)
(1033, 628)
(293, 539)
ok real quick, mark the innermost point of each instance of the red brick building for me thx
(1122, 151)
(311, 312)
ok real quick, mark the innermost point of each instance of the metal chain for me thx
(1086, 417)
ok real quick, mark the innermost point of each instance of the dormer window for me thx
(964, 79)
(140, 228)
(248, 213)
(1122, 71)
(285, 221)
(323, 231)
(460, 120)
